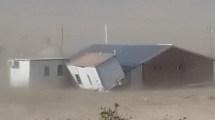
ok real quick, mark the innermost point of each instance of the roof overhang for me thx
(38, 59)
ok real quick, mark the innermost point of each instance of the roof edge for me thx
(173, 46)
(37, 59)
(94, 65)
(106, 60)
(153, 56)
(194, 53)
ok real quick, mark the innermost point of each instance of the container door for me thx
(83, 78)
(93, 77)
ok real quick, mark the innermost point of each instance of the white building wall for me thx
(110, 73)
(83, 75)
(19, 77)
(84, 72)
(74, 71)
(38, 78)
(94, 78)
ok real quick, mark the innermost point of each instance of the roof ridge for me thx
(160, 44)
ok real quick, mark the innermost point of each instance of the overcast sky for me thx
(25, 25)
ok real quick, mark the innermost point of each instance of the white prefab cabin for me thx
(95, 71)
(38, 72)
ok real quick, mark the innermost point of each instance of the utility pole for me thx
(211, 40)
(62, 41)
(106, 34)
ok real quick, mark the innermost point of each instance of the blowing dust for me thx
(32, 28)
(196, 103)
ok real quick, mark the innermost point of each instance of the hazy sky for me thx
(25, 25)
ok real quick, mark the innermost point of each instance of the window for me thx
(13, 64)
(89, 80)
(157, 67)
(179, 67)
(60, 70)
(46, 71)
(78, 79)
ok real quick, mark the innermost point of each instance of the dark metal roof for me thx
(128, 55)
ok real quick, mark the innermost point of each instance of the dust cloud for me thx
(26, 26)
(62, 104)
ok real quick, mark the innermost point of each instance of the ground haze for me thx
(194, 102)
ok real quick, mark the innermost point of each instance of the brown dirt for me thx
(196, 103)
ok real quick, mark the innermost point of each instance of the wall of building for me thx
(19, 75)
(86, 74)
(214, 71)
(127, 79)
(110, 73)
(198, 69)
(38, 77)
(93, 78)
(136, 77)
(176, 67)
(88, 77)
(73, 70)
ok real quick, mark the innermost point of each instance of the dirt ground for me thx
(194, 102)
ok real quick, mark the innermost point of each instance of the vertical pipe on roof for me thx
(106, 32)
(211, 40)
(62, 41)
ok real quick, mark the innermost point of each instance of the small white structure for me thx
(38, 72)
(95, 71)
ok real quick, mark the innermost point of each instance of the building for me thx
(96, 71)
(158, 65)
(38, 72)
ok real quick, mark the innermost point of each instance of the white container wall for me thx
(19, 74)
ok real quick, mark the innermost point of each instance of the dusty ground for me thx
(194, 102)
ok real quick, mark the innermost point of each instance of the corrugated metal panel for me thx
(128, 55)
(110, 73)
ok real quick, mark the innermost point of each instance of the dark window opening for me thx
(78, 79)
(157, 67)
(179, 67)
(89, 80)
(46, 71)
(60, 70)
(13, 64)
